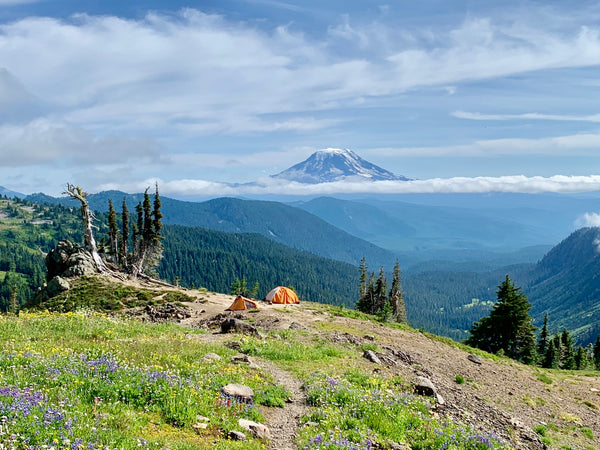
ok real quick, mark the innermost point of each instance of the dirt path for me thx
(284, 422)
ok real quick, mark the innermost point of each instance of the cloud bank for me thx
(517, 183)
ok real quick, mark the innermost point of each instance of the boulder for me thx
(233, 325)
(239, 391)
(371, 356)
(237, 436)
(211, 357)
(57, 285)
(475, 359)
(258, 430)
(424, 386)
(69, 260)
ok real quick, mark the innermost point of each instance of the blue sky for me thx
(465, 96)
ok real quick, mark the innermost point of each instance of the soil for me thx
(497, 395)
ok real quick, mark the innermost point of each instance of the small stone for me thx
(233, 344)
(200, 418)
(296, 326)
(371, 356)
(240, 391)
(198, 427)
(258, 430)
(475, 359)
(369, 337)
(237, 436)
(211, 357)
(439, 399)
(239, 359)
(594, 390)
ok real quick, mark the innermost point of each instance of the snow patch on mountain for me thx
(334, 164)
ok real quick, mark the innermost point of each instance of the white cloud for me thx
(589, 219)
(518, 183)
(577, 144)
(526, 116)
(216, 75)
(44, 142)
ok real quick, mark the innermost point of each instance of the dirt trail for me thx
(284, 422)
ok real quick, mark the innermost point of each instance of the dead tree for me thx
(88, 218)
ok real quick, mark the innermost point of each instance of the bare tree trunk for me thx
(88, 217)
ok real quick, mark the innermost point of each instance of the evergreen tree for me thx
(156, 217)
(567, 354)
(508, 327)
(397, 297)
(380, 292)
(551, 358)
(124, 247)
(112, 228)
(581, 360)
(362, 287)
(597, 353)
(14, 304)
(543, 340)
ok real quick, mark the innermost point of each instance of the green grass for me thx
(459, 379)
(87, 379)
(544, 378)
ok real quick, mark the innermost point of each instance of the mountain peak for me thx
(335, 164)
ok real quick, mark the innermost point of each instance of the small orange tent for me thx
(240, 303)
(282, 295)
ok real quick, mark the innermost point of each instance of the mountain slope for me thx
(279, 222)
(8, 193)
(333, 164)
(566, 285)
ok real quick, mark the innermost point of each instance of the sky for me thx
(463, 96)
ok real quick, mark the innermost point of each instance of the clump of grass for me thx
(289, 350)
(570, 418)
(272, 396)
(591, 404)
(541, 429)
(529, 401)
(587, 432)
(459, 379)
(544, 378)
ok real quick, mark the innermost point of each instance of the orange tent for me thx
(282, 295)
(240, 303)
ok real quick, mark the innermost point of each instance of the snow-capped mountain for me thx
(335, 164)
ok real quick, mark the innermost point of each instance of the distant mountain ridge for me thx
(9, 193)
(334, 164)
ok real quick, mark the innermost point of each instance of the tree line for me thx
(374, 297)
(509, 330)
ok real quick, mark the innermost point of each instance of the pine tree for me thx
(597, 353)
(362, 287)
(148, 222)
(543, 340)
(124, 247)
(380, 291)
(508, 327)
(366, 304)
(14, 302)
(551, 359)
(397, 297)
(156, 217)
(112, 228)
(567, 355)
(580, 358)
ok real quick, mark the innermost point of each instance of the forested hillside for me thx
(278, 222)
(214, 260)
(27, 232)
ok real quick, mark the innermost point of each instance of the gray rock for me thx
(198, 427)
(424, 386)
(211, 357)
(475, 359)
(239, 359)
(233, 325)
(57, 285)
(439, 399)
(369, 337)
(237, 436)
(296, 326)
(258, 430)
(239, 391)
(371, 356)
(200, 418)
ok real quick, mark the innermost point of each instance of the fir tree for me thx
(580, 358)
(362, 287)
(597, 353)
(397, 297)
(156, 217)
(112, 228)
(380, 292)
(124, 247)
(508, 327)
(148, 222)
(543, 340)
(551, 358)
(567, 355)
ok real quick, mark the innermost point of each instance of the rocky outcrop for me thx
(69, 260)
